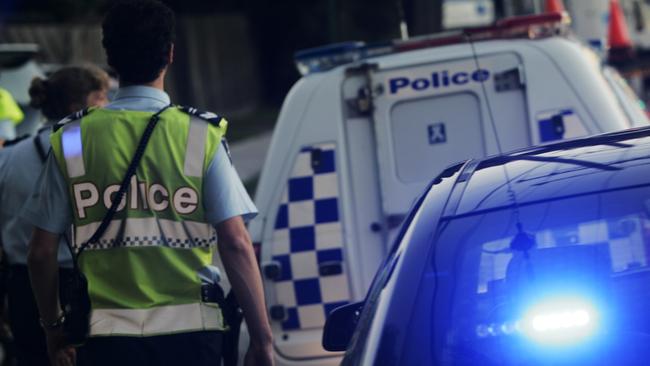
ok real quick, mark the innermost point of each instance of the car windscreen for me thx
(564, 281)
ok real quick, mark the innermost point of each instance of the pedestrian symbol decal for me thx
(437, 133)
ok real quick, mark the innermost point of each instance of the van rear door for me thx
(429, 116)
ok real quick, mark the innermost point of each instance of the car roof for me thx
(554, 171)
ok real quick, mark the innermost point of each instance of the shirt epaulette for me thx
(212, 118)
(73, 117)
(15, 141)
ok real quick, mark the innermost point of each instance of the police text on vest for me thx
(156, 197)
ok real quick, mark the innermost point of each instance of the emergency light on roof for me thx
(524, 27)
(554, 322)
(560, 322)
(327, 57)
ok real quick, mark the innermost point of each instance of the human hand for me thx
(259, 355)
(59, 352)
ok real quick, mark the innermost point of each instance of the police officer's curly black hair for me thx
(137, 37)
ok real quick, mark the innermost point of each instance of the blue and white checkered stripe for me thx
(147, 232)
(308, 232)
(626, 238)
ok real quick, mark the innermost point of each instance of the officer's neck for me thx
(158, 83)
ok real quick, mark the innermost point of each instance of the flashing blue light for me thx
(560, 322)
(555, 322)
(327, 57)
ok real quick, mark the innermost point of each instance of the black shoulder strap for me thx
(73, 117)
(15, 141)
(117, 198)
(212, 118)
(40, 149)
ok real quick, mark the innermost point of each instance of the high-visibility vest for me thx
(143, 274)
(9, 110)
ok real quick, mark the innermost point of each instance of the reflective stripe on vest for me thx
(73, 149)
(195, 152)
(141, 232)
(155, 321)
(9, 109)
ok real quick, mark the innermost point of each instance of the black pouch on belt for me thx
(212, 292)
(76, 306)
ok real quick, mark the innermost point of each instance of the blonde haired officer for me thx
(144, 274)
(62, 93)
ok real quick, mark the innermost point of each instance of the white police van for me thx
(359, 136)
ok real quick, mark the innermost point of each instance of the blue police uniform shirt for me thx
(224, 194)
(7, 130)
(20, 165)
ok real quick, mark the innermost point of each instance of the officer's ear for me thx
(171, 54)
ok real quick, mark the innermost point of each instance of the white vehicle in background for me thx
(348, 153)
(17, 69)
(592, 20)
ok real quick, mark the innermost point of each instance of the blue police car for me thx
(536, 257)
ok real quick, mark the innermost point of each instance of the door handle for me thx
(391, 222)
(330, 268)
(272, 270)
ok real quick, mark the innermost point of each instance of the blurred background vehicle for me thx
(362, 133)
(535, 257)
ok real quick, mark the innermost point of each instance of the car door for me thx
(429, 116)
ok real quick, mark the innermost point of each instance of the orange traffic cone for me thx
(554, 6)
(618, 38)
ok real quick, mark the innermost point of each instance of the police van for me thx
(360, 135)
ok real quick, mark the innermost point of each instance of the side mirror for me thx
(340, 326)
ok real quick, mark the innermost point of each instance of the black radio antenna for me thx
(403, 26)
(522, 240)
(485, 94)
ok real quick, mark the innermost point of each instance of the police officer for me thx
(65, 91)
(10, 116)
(144, 275)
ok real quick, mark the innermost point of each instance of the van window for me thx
(427, 132)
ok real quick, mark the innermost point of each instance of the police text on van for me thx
(438, 79)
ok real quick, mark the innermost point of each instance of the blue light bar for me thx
(553, 322)
(562, 321)
(327, 57)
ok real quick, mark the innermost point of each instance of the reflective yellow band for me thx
(150, 231)
(9, 109)
(155, 321)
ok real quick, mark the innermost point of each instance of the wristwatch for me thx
(55, 324)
